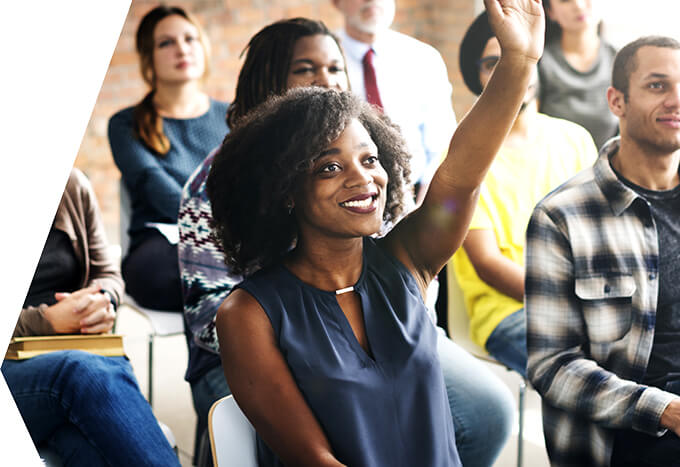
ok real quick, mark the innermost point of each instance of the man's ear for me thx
(617, 102)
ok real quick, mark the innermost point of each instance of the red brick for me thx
(229, 25)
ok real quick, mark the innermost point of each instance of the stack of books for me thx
(109, 345)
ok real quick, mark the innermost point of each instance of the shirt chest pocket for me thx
(606, 302)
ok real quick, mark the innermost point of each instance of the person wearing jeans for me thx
(88, 408)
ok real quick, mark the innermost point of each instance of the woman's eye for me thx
(371, 160)
(330, 168)
(302, 71)
(190, 38)
(164, 43)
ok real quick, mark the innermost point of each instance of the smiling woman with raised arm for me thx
(327, 345)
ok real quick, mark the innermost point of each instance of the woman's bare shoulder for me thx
(241, 309)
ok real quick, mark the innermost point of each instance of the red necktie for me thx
(370, 83)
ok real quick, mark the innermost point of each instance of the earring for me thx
(290, 207)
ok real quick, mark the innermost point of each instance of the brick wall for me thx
(229, 24)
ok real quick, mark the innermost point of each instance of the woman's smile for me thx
(362, 204)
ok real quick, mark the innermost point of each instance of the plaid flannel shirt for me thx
(591, 293)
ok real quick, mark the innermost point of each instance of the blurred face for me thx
(178, 54)
(572, 15)
(487, 63)
(345, 192)
(317, 61)
(651, 116)
(366, 16)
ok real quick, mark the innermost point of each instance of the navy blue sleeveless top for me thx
(389, 410)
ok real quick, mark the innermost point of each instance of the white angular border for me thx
(54, 58)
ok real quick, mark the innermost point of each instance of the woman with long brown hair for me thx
(159, 142)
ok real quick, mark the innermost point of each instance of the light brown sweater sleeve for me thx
(32, 322)
(103, 268)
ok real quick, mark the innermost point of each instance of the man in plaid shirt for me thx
(602, 291)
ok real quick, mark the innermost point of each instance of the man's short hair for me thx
(471, 48)
(625, 62)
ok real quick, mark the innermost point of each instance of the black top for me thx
(386, 408)
(58, 270)
(663, 369)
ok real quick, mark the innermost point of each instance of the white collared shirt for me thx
(415, 91)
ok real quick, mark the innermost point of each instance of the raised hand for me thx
(519, 26)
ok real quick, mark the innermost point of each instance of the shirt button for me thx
(607, 289)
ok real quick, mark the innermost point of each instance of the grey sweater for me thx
(580, 97)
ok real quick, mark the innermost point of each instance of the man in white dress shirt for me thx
(411, 77)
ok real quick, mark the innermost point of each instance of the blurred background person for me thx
(576, 68)
(539, 153)
(402, 76)
(158, 143)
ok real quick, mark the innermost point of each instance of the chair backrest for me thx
(125, 214)
(232, 437)
(459, 321)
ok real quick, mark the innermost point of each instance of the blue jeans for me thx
(88, 409)
(508, 342)
(482, 406)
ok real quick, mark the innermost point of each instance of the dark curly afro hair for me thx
(263, 161)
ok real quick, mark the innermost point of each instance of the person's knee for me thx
(503, 404)
(90, 375)
(482, 406)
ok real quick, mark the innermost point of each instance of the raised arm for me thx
(426, 239)
(497, 270)
(263, 386)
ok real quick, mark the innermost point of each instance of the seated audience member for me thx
(481, 403)
(576, 67)
(327, 344)
(539, 153)
(158, 143)
(86, 407)
(402, 75)
(602, 294)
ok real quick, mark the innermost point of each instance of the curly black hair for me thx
(263, 161)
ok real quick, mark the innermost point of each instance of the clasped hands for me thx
(85, 311)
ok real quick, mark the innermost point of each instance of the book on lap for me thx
(109, 345)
